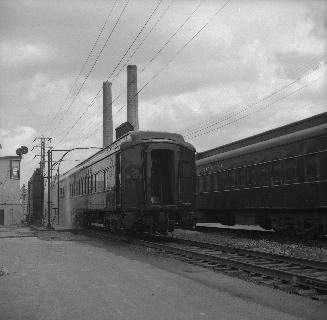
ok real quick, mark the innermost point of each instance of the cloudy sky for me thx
(216, 71)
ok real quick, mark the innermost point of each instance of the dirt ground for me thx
(59, 275)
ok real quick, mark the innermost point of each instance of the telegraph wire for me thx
(85, 62)
(129, 58)
(115, 68)
(198, 127)
(172, 36)
(93, 65)
(185, 45)
(190, 137)
(144, 39)
(172, 59)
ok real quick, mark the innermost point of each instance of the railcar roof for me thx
(148, 135)
(267, 135)
(299, 135)
(132, 136)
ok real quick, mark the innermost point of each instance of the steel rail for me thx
(305, 262)
(249, 265)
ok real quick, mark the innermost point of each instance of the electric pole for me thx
(42, 155)
(49, 186)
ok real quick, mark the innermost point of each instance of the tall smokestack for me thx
(132, 99)
(107, 114)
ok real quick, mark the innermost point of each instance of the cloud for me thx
(15, 138)
(17, 54)
(247, 51)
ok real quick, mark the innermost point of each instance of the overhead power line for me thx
(84, 64)
(209, 122)
(115, 68)
(174, 57)
(191, 137)
(93, 65)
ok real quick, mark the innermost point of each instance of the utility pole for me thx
(42, 155)
(49, 186)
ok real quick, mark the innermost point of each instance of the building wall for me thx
(10, 190)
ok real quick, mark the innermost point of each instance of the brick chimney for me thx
(132, 98)
(107, 114)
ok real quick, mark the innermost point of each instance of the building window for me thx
(14, 169)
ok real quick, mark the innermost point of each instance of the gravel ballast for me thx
(263, 245)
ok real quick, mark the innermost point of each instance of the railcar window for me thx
(215, 181)
(95, 183)
(224, 180)
(277, 172)
(201, 183)
(91, 184)
(208, 182)
(264, 174)
(232, 178)
(312, 167)
(252, 176)
(290, 170)
(104, 180)
(242, 177)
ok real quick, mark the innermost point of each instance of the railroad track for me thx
(299, 276)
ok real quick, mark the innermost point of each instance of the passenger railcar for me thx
(280, 183)
(35, 198)
(144, 181)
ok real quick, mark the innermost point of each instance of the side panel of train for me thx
(144, 184)
(280, 185)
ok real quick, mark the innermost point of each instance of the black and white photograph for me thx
(163, 159)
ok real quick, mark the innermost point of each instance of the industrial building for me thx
(10, 206)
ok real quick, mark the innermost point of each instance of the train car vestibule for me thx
(162, 164)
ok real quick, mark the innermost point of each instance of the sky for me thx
(215, 71)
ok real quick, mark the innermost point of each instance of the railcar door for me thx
(186, 177)
(133, 185)
(2, 217)
(162, 176)
(118, 180)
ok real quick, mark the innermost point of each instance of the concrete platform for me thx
(59, 275)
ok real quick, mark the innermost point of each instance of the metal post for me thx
(49, 186)
(58, 192)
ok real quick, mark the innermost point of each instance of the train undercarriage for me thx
(312, 223)
(153, 223)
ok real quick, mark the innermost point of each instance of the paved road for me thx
(65, 276)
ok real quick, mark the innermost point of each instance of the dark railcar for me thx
(35, 198)
(280, 183)
(144, 181)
